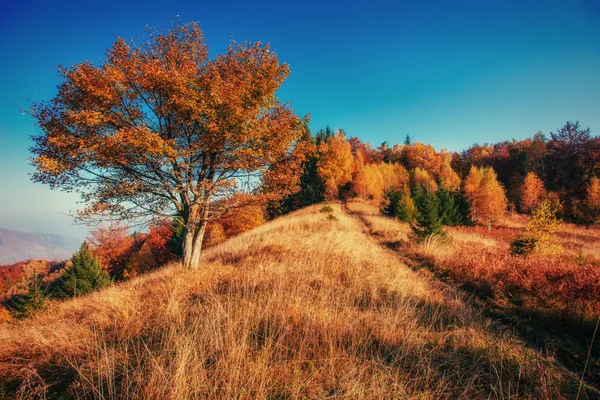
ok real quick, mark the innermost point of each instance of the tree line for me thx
(161, 132)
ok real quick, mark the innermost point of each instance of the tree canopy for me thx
(160, 130)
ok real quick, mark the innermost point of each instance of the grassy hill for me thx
(306, 306)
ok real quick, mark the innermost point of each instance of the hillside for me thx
(19, 246)
(306, 306)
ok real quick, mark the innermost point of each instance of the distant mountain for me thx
(19, 246)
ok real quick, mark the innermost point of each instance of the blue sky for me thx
(448, 73)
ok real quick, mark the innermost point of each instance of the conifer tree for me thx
(84, 276)
(427, 214)
(34, 300)
(449, 208)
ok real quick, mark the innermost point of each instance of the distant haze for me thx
(19, 246)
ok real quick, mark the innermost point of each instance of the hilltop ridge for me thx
(305, 306)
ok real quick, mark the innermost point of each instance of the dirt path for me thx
(540, 337)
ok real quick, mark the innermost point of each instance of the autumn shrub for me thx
(5, 316)
(523, 246)
(326, 209)
(541, 226)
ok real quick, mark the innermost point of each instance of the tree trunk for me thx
(192, 244)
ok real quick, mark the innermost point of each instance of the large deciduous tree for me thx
(159, 129)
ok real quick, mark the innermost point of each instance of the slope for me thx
(306, 306)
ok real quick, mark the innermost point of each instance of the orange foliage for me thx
(422, 156)
(242, 220)
(532, 192)
(167, 129)
(5, 315)
(368, 183)
(420, 177)
(157, 239)
(593, 194)
(448, 178)
(113, 245)
(486, 194)
(215, 234)
(335, 164)
(373, 180)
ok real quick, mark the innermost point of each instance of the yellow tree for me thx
(486, 195)
(593, 194)
(394, 175)
(542, 225)
(335, 164)
(448, 178)
(593, 199)
(420, 177)
(368, 183)
(532, 192)
(159, 129)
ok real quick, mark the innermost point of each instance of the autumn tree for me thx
(368, 183)
(532, 192)
(593, 199)
(448, 178)
(573, 158)
(335, 164)
(541, 227)
(312, 187)
(159, 129)
(113, 245)
(486, 195)
(421, 177)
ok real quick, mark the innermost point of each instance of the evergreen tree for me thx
(453, 208)
(427, 214)
(33, 301)
(407, 140)
(84, 276)
(392, 198)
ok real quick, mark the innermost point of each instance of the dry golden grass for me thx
(302, 307)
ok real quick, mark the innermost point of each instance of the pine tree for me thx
(449, 208)
(34, 300)
(398, 204)
(392, 198)
(84, 276)
(407, 140)
(427, 216)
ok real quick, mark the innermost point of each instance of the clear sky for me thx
(449, 73)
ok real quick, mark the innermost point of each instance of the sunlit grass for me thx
(302, 307)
